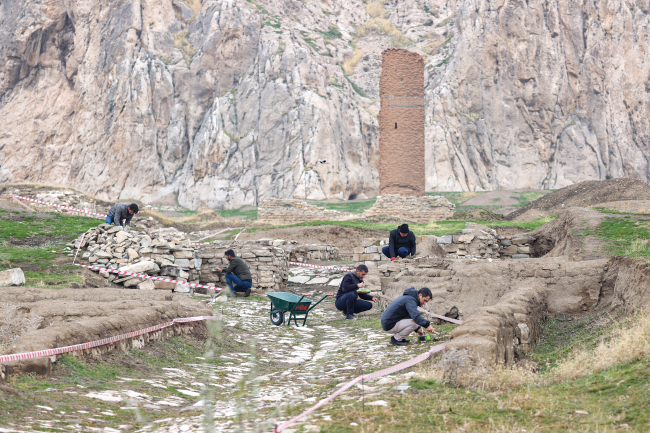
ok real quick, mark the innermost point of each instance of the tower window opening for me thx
(396, 126)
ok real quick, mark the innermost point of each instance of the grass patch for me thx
(182, 42)
(441, 227)
(626, 237)
(30, 226)
(563, 335)
(352, 207)
(526, 197)
(355, 87)
(243, 212)
(332, 33)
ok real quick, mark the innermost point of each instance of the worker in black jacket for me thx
(402, 316)
(401, 242)
(347, 297)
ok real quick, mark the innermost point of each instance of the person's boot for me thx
(394, 342)
(350, 316)
(247, 293)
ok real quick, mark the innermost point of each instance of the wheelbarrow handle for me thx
(321, 300)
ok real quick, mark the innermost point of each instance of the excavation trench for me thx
(503, 304)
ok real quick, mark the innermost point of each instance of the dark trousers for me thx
(401, 251)
(237, 285)
(349, 304)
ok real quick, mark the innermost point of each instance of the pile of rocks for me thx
(139, 252)
(166, 254)
(416, 209)
(288, 211)
(516, 247)
(475, 241)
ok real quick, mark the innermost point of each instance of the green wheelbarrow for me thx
(282, 303)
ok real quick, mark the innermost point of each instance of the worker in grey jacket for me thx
(402, 316)
(121, 213)
(238, 274)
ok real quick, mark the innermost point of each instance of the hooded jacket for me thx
(404, 307)
(395, 241)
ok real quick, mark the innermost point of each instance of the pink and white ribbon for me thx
(109, 340)
(61, 206)
(376, 374)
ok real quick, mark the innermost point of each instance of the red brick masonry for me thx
(401, 123)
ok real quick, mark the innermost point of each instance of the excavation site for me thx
(540, 322)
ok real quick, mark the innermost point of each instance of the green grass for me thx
(438, 228)
(30, 225)
(332, 33)
(249, 214)
(612, 398)
(457, 198)
(355, 87)
(352, 207)
(526, 197)
(625, 236)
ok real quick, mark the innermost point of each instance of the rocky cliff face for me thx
(226, 103)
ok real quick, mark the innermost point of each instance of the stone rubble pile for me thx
(481, 242)
(475, 241)
(288, 211)
(165, 253)
(139, 252)
(416, 209)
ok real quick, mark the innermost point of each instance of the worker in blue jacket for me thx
(401, 243)
(347, 298)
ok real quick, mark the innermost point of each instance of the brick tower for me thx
(401, 123)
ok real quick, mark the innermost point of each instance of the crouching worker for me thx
(121, 214)
(402, 316)
(238, 275)
(347, 298)
(401, 243)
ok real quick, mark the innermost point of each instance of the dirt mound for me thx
(343, 237)
(588, 193)
(70, 316)
(627, 206)
(531, 215)
(478, 215)
(570, 234)
(429, 247)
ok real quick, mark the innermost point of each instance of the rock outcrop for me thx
(224, 103)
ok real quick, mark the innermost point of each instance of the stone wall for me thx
(163, 255)
(280, 212)
(401, 123)
(499, 334)
(414, 209)
(268, 265)
(460, 287)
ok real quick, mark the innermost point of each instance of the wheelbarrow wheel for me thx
(277, 317)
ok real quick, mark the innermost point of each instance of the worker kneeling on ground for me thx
(402, 316)
(121, 214)
(238, 274)
(401, 242)
(347, 297)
